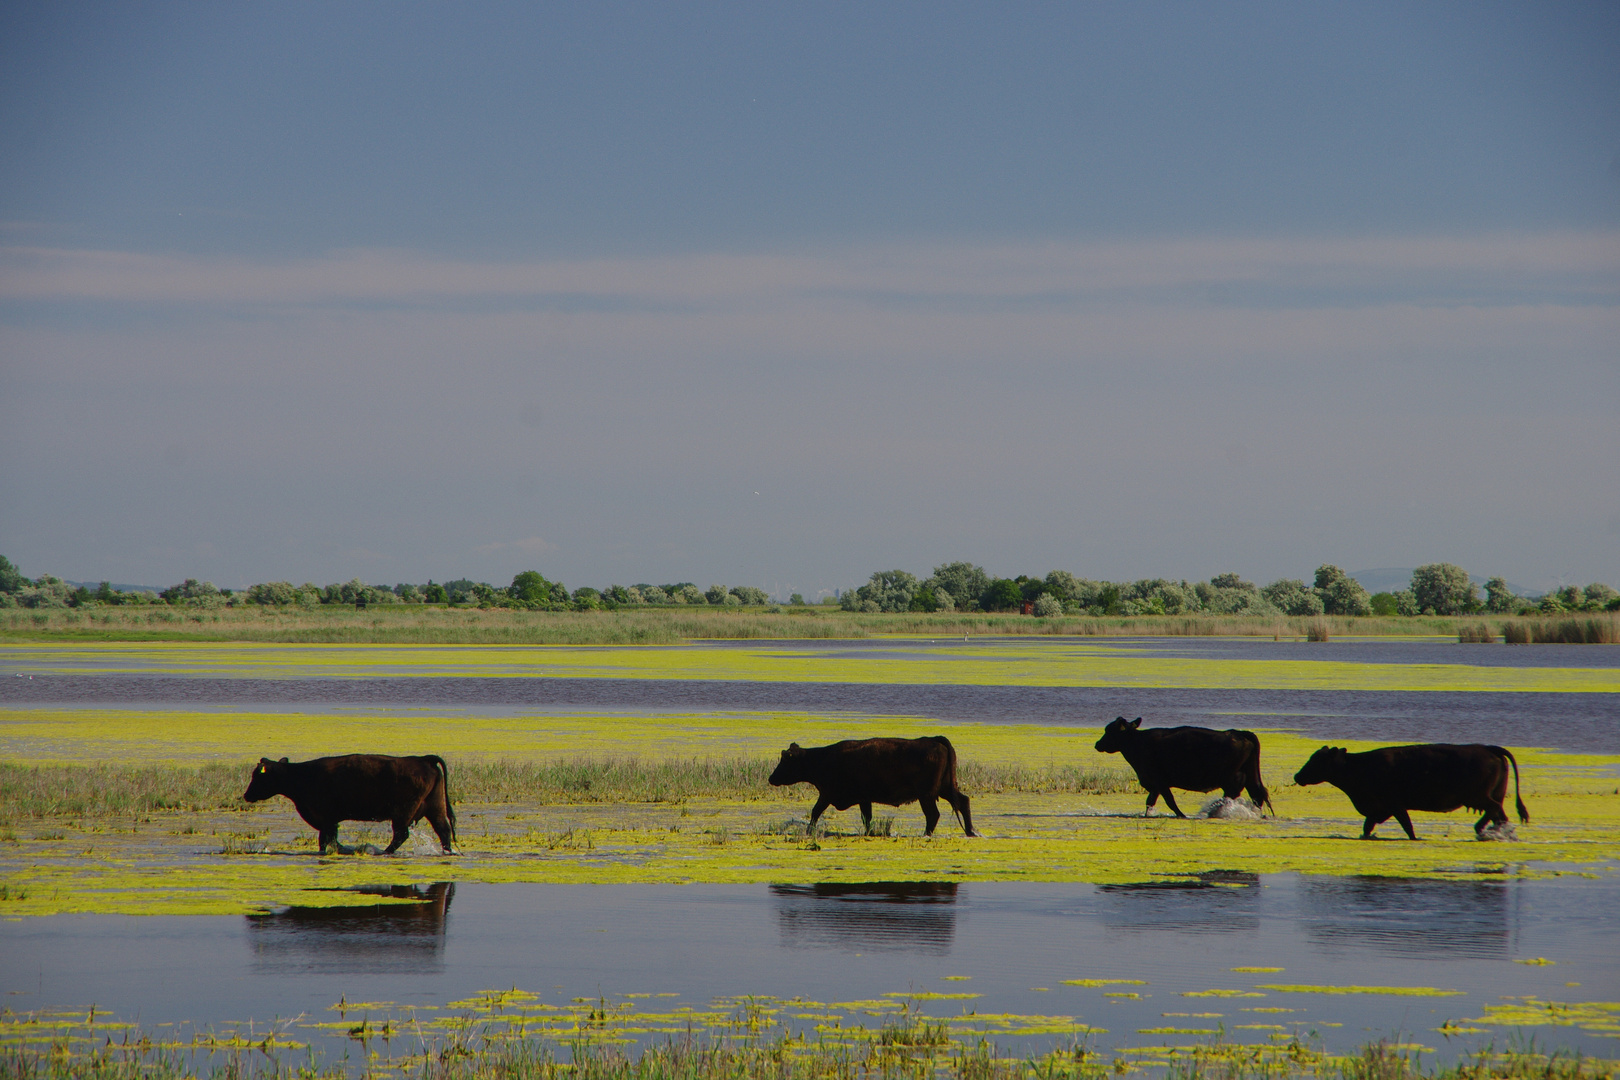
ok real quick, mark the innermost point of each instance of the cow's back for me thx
(1437, 777)
(363, 787)
(892, 771)
(1194, 758)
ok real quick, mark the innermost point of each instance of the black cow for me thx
(1190, 758)
(1437, 777)
(361, 787)
(889, 771)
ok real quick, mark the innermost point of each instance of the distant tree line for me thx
(1436, 589)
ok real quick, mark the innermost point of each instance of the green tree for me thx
(11, 579)
(1384, 603)
(747, 594)
(433, 593)
(1444, 589)
(1003, 594)
(797, 599)
(1292, 597)
(272, 592)
(888, 590)
(1498, 597)
(530, 588)
(1600, 597)
(964, 581)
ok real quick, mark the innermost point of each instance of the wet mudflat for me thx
(1450, 965)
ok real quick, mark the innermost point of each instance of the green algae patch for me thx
(234, 858)
(1104, 982)
(1597, 1017)
(1390, 991)
(916, 661)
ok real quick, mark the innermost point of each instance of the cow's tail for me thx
(1524, 815)
(1265, 792)
(444, 778)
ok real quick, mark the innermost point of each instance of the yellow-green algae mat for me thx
(263, 857)
(900, 661)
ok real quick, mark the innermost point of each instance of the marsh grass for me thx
(909, 1047)
(1568, 630)
(426, 624)
(1480, 634)
(39, 792)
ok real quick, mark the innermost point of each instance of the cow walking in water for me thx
(889, 771)
(1436, 777)
(1190, 758)
(361, 787)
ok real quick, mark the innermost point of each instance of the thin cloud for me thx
(1291, 272)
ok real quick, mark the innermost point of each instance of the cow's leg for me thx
(1495, 814)
(1170, 801)
(1370, 824)
(402, 832)
(816, 811)
(1153, 797)
(441, 826)
(328, 837)
(866, 818)
(1406, 823)
(930, 809)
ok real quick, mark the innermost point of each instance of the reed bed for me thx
(913, 1049)
(426, 624)
(122, 791)
(1565, 630)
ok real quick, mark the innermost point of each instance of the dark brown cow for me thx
(1190, 758)
(361, 787)
(1437, 777)
(889, 771)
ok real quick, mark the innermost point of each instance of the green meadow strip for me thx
(897, 663)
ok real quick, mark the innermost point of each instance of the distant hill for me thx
(1396, 578)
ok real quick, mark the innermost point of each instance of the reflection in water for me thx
(890, 916)
(1411, 917)
(383, 938)
(1218, 901)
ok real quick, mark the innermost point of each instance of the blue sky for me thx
(399, 291)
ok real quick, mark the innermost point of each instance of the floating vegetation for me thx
(1258, 970)
(1393, 991)
(1104, 982)
(511, 1033)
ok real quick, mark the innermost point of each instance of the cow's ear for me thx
(264, 761)
(1137, 722)
(284, 761)
(794, 748)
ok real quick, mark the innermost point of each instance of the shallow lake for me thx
(1587, 722)
(1016, 943)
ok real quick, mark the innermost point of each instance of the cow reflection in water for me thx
(368, 939)
(1412, 916)
(869, 917)
(1215, 901)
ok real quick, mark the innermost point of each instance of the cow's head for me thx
(266, 782)
(791, 769)
(1323, 766)
(1116, 736)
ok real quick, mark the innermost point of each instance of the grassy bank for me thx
(38, 793)
(426, 624)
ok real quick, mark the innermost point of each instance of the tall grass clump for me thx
(1569, 630)
(1480, 634)
(116, 790)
